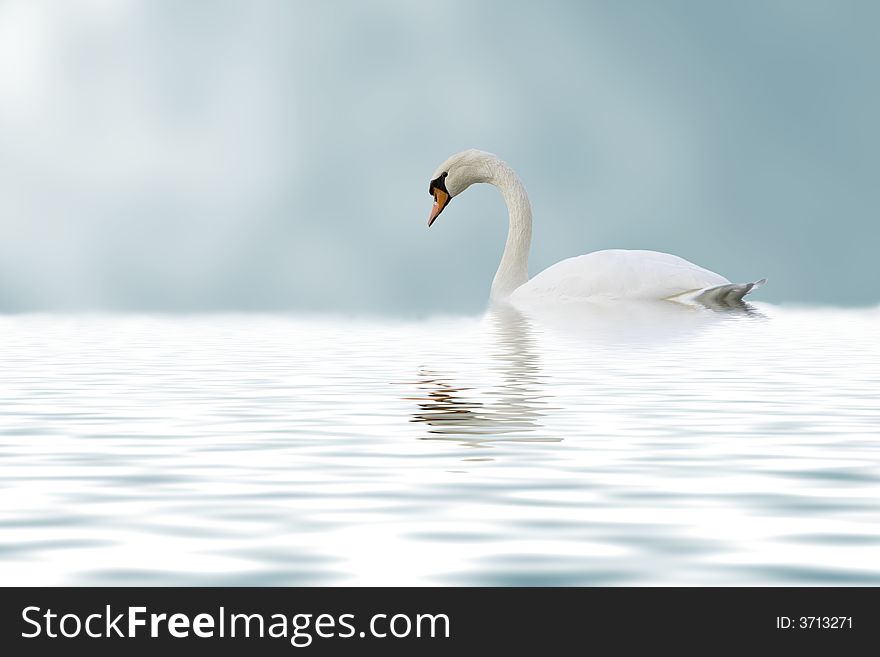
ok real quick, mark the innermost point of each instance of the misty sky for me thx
(276, 155)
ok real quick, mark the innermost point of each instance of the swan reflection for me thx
(631, 324)
(514, 407)
(507, 410)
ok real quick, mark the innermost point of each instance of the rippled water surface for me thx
(625, 446)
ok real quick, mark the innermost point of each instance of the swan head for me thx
(455, 175)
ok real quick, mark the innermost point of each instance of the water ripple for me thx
(637, 446)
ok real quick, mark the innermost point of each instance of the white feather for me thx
(618, 274)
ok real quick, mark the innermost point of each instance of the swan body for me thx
(610, 275)
(619, 274)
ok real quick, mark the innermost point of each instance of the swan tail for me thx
(730, 294)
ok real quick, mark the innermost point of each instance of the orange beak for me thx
(441, 199)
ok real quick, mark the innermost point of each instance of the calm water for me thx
(634, 446)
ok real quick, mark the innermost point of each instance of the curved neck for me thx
(513, 270)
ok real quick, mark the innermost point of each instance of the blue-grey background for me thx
(276, 155)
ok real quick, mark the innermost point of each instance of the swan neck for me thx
(513, 270)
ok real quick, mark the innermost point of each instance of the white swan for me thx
(600, 276)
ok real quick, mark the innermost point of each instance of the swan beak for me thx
(441, 200)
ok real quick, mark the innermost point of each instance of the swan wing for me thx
(619, 274)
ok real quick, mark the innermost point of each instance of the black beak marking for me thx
(438, 183)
